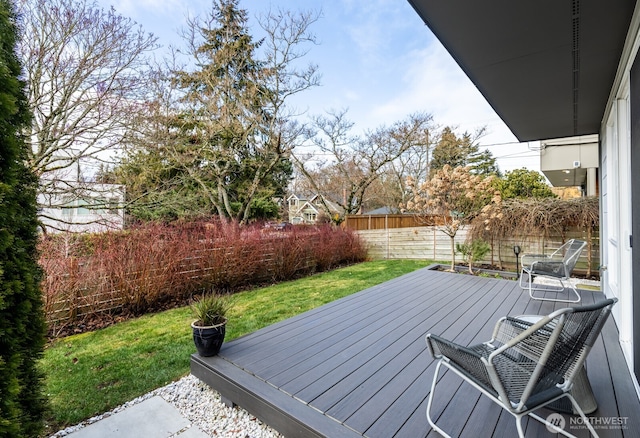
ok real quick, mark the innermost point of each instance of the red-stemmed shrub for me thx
(153, 266)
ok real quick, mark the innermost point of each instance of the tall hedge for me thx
(22, 325)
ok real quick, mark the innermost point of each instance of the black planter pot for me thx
(208, 339)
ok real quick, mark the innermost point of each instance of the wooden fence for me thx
(385, 221)
(428, 242)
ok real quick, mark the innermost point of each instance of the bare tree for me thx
(85, 70)
(391, 188)
(345, 165)
(288, 40)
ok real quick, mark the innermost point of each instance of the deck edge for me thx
(280, 411)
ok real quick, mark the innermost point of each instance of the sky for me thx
(377, 59)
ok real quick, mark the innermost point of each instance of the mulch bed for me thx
(463, 268)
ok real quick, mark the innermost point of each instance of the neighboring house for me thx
(556, 69)
(69, 199)
(308, 209)
(571, 162)
(92, 208)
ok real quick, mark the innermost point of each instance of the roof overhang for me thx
(545, 66)
(565, 161)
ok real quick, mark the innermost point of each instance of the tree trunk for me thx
(453, 252)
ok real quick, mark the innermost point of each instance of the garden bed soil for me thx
(484, 270)
(494, 271)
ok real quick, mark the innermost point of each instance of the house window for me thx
(113, 207)
(83, 211)
(68, 209)
(310, 217)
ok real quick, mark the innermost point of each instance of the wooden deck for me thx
(359, 366)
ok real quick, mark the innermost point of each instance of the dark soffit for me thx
(545, 66)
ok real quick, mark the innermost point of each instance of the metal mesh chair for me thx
(525, 366)
(556, 267)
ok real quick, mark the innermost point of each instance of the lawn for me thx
(91, 373)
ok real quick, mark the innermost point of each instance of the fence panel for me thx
(384, 221)
(428, 242)
(409, 243)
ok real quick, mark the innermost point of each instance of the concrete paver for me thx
(151, 418)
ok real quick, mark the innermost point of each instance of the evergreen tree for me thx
(22, 326)
(223, 121)
(483, 163)
(462, 152)
(220, 139)
(450, 150)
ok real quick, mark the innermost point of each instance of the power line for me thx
(514, 157)
(528, 143)
(520, 155)
(498, 144)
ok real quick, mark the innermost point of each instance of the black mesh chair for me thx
(525, 366)
(555, 268)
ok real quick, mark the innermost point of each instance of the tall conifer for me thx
(22, 327)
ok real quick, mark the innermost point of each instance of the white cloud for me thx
(434, 83)
(369, 28)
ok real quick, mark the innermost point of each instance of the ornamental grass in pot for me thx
(209, 327)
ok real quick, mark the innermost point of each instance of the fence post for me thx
(386, 228)
(433, 233)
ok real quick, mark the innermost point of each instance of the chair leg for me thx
(572, 288)
(568, 290)
(578, 409)
(529, 286)
(522, 274)
(518, 417)
(519, 426)
(551, 425)
(429, 402)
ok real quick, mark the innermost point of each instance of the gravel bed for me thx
(202, 406)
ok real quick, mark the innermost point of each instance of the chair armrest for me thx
(470, 360)
(439, 347)
(535, 256)
(528, 259)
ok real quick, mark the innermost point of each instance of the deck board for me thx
(359, 366)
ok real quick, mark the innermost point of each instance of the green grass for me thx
(588, 287)
(94, 372)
